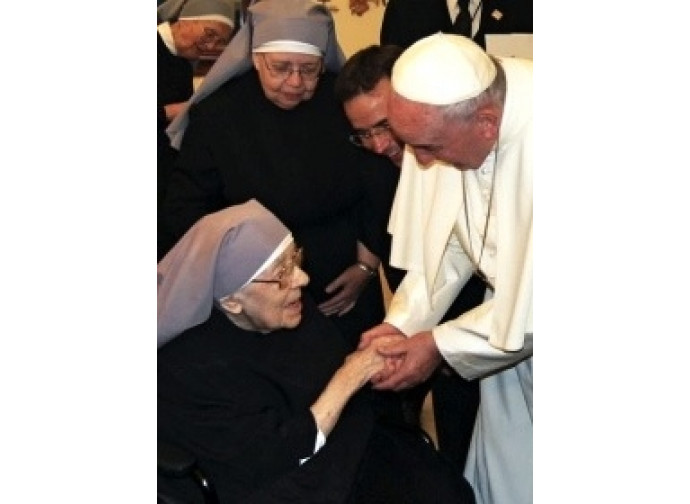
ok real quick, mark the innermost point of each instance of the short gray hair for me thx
(494, 94)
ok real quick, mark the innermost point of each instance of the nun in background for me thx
(187, 31)
(265, 124)
(257, 383)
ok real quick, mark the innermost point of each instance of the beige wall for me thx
(357, 32)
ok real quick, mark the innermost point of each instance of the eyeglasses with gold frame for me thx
(285, 273)
(309, 72)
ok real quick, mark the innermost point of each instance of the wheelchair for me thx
(180, 480)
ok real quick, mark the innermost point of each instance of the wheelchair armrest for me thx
(175, 462)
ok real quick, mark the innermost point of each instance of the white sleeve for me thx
(464, 341)
(469, 352)
(411, 310)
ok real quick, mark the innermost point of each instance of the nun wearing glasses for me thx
(261, 387)
(265, 124)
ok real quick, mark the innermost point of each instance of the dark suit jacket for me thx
(406, 21)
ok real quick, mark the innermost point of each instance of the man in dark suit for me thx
(406, 21)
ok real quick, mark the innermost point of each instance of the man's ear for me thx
(231, 305)
(489, 120)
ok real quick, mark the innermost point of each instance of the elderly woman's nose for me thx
(299, 277)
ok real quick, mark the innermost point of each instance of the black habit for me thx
(175, 85)
(240, 401)
(299, 164)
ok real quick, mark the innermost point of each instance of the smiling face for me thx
(368, 115)
(200, 38)
(273, 300)
(288, 78)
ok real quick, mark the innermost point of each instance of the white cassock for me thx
(492, 342)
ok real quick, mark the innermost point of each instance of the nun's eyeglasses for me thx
(282, 70)
(285, 273)
(363, 137)
(211, 40)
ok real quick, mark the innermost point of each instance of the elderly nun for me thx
(258, 384)
(265, 124)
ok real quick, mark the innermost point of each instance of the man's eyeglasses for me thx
(361, 137)
(285, 273)
(309, 72)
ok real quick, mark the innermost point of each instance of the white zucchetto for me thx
(442, 69)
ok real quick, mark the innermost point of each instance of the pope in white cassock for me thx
(464, 205)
